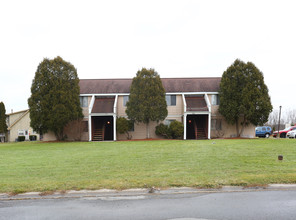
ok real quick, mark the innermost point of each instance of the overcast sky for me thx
(114, 39)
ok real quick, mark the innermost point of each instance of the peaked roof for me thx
(196, 104)
(103, 105)
(17, 120)
(18, 112)
(108, 86)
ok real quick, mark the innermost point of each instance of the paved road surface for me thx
(220, 205)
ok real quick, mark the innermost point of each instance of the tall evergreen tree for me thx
(3, 125)
(54, 101)
(244, 96)
(147, 98)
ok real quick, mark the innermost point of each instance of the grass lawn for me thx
(37, 166)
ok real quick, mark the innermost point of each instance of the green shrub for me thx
(163, 130)
(33, 137)
(123, 126)
(21, 138)
(176, 129)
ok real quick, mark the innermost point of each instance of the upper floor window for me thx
(170, 100)
(215, 100)
(125, 99)
(83, 101)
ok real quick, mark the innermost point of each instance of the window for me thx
(216, 124)
(215, 100)
(131, 126)
(170, 100)
(125, 99)
(21, 132)
(85, 126)
(83, 101)
(168, 122)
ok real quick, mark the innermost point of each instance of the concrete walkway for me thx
(108, 193)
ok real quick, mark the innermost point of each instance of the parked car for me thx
(291, 134)
(283, 133)
(264, 131)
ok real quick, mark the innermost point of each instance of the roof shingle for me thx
(109, 86)
(196, 104)
(103, 105)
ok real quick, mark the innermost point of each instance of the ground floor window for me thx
(85, 126)
(21, 132)
(168, 121)
(131, 125)
(216, 124)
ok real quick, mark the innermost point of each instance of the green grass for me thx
(36, 166)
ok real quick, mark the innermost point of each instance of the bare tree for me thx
(291, 116)
(273, 118)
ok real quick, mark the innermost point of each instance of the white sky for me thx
(114, 39)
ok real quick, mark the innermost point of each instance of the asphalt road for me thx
(219, 205)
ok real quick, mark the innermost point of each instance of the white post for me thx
(185, 125)
(209, 126)
(89, 128)
(114, 117)
(185, 116)
(115, 105)
(209, 115)
(184, 103)
(89, 117)
(114, 127)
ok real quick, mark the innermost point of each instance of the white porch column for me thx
(185, 125)
(209, 126)
(89, 128)
(89, 118)
(185, 115)
(209, 115)
(114, 127)
(114, 117)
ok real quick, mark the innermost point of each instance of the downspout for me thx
(114, 117)
(185, 117)
(92, 101)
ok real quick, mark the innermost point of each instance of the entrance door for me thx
(197, 127)
(27, 135)
(102, 128)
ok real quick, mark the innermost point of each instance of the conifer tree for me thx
(244, 96)
(54, 100)
(3, 125)
(147, 98)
